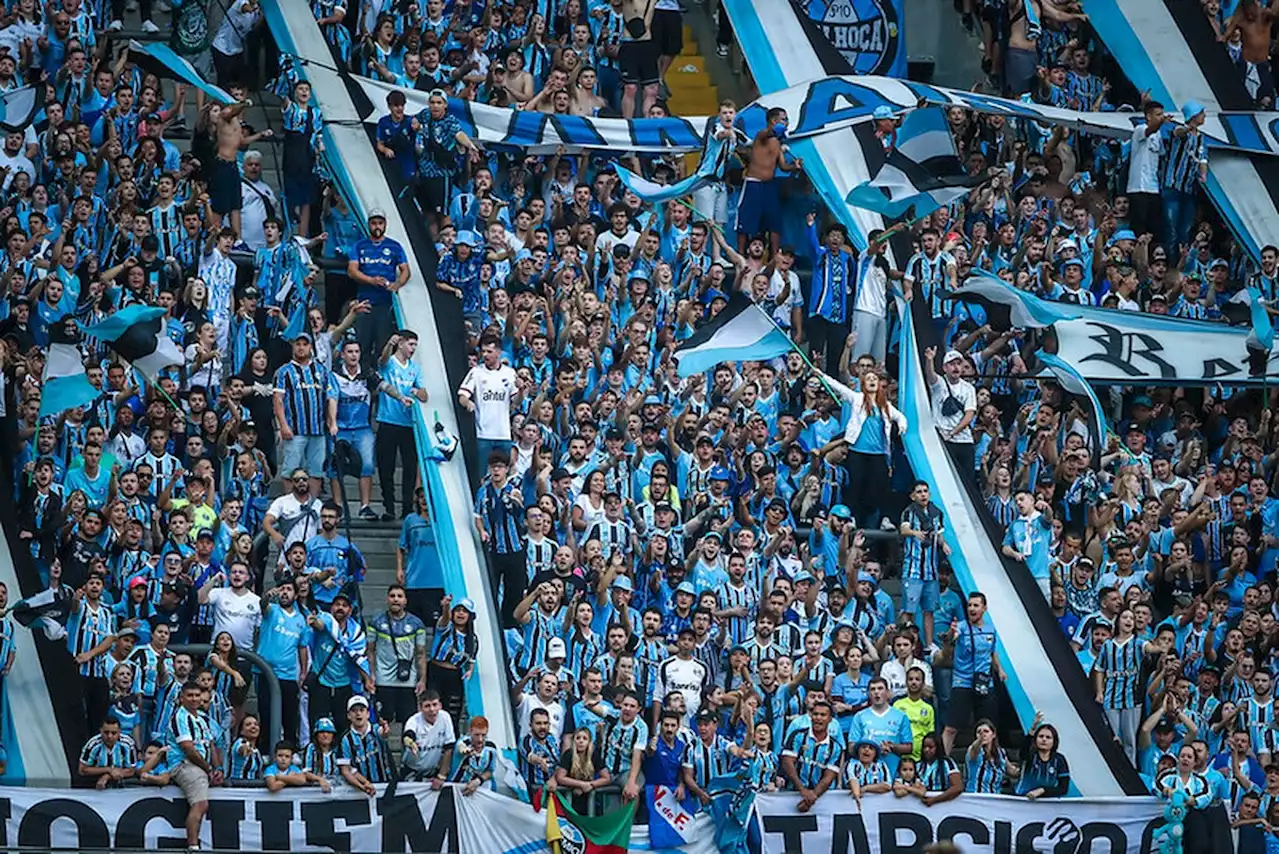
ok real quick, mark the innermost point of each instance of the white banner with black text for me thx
(979, 824)
(415, 818)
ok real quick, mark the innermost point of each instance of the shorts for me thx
(667, 32)
(304, 452)
(193, 782)
(433, 194)
(638, 62)
(224, 186)
(968, 707)
(361, 441)
(919, 595)
(396, 703)
(758, 208)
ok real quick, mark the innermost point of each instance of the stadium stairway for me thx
(692, 91)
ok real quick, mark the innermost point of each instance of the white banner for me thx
(979, 824)
(414, 818)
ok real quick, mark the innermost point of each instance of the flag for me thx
(1007, 307)
(49, 607)
(1248, 308)
(922, 170)
(670, 819)
(740, 332)
(733, 802)
(1074, 383)
(137, 334)
(163, 62)
(570, 833)
(65, 384)
(19, 108)
(711, 167)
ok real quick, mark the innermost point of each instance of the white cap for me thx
(952, 355)
(1068, 244)
(377, 213)
(555, 648)
(357, 700)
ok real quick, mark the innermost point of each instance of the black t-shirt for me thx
(76, 556)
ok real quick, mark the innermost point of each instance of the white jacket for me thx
(853, 429)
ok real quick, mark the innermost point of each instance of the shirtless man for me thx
(1254, 23)
(759, 207)
(1021, 58)
(224, 179)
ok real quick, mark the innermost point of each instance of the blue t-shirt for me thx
(378, 258)
(280, 638)
(404, 378)
(398, 136)
(1030, 537)
(418, 542)
(871, 439)
(893, 726)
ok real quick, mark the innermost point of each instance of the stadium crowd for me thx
(691, 571)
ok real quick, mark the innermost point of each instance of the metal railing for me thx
(268, 679)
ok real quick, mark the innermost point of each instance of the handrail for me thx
(268, 676)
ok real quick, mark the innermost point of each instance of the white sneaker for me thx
(150, 27)
(115, 26)
(886, 525)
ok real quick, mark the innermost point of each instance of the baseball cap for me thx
(342, 594)
(704, 439)
(126, 632)
(357, 700)
(777, 502)
(377, 213)
(867, 577)
(1218, 262)
(803, 577)
(1068, 244)
(841, 512)
(1133, 427)
(470, 238)
(706, 716)
(1143, 400)
(205, 534)
(867, 743)
(555, 648)
(719, 473)
(882, 112)
(524, 255)
(952, 355)
(466, 605)
(304, 336)
(652, 400)
(559, 473)
(663, 505)
(1073, 262)
(137, 582)
(686, 587)
(325, 725)
(622, 582)
(715, 294)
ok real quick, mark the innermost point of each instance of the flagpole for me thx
(822, 378)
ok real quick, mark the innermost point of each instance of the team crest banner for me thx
(867, 33)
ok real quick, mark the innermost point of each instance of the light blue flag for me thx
(733, 803)
(164, 62)
(297, 321)
(1073, 382)
(715, 158)
(741, 332)
(65, 385)
(115, 325)
(1007, 307)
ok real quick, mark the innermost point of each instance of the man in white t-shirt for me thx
(954, 403)
(1146, 211)
(871, 306)
(292, 518)
(428, 741)
(486, 391)
(788, 313)
(544, 697)
(236, 610)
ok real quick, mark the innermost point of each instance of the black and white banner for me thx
(416, 818)
(815, 108)
(979, 824)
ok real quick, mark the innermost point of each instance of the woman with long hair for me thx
(581, 770)
(1117, 681)
(259, 394)
(229, 682)
(589, 506)
(1045, 773)
(453, 653)
(938, 772)
(868, 432)
(987, 762)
